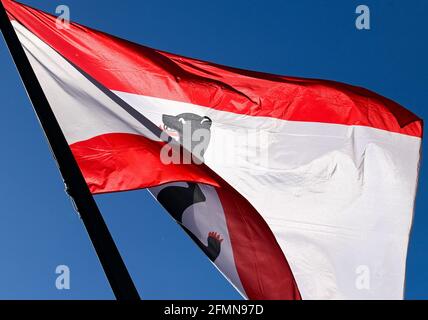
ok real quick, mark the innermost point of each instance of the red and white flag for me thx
(306, 189)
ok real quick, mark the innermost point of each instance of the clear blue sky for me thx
(310, 38)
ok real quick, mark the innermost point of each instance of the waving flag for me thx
(306, 189)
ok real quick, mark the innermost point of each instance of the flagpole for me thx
(105, 247)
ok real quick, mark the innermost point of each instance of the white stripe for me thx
(81, 109)
(338, 198)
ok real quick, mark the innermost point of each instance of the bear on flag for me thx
(294, 188)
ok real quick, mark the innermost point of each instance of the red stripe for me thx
(128, 67)
(120, 162)
(258, 257)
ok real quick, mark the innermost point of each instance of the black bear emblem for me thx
(176, 199)
(199, 131)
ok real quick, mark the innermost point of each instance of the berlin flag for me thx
(300, 188)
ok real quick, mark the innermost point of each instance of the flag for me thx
(300, 188)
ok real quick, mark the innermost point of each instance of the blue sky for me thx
(309, 38)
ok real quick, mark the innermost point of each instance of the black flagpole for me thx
(108, 254)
